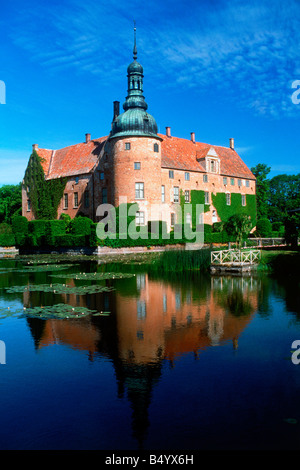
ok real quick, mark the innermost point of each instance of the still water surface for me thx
(186, 361)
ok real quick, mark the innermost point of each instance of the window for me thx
(127, 145)
(140, 218)
(176, 194)
(232, 181)
(156, 148)
(186, 196)
(101, 175)
(205, 178)
(188, 218)
(162, 194)
(228, 199)
(76, 180)
(247, 183)
(137, 165)
(225, 180)
(75, 200)
(243, 200)
(206, 197)
(104, 196)
(172, 219)
(212, 166)
(66, 201)
(239, 182)
(171, 174)
(139, 190)
(28, 205)
(86, 199)
(187, 176)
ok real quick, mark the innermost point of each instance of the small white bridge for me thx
(234, 260)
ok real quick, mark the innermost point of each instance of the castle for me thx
(147, 168)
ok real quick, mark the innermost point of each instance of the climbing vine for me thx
(44, 195)
(225, 211)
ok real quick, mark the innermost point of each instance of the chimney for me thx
(168, 131)
(193, 137)
(116, 109)
(35, 146)
(87, 138)
(231, 143)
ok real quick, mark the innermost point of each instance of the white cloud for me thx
(250, 50)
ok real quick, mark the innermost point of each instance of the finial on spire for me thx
(134, 47)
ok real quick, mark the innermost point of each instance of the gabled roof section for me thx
(74, 160)
(183, 154)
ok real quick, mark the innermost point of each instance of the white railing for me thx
(235, 256)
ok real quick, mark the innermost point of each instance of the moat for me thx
(146, 360)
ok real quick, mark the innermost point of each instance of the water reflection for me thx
(151, 321)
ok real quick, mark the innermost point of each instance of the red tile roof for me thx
(177, 153)
(74, 160)
(183, 154)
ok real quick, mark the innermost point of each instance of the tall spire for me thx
(134, 47)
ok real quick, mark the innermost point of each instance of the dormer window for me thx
(212, 166)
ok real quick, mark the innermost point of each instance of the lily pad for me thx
(59, 289)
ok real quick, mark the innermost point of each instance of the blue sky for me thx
(218, 68)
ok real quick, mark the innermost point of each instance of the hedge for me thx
(20, 229)
(81, 226)
(7, 239)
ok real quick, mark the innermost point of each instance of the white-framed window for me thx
(247, 183)
(225, 180)
(140, 218)
(176, 194)
(127, 146)
(75, 200)
(171, 174)
(28, 205)
(239, 182)
(139, 190)
(66, 201)
(228, 199)
(186, 196)
(232, 181)
(163, 195)
(137, 165)
(188, 218)
(205, 178)
(206, 197)
(243, 200)
(187, 176)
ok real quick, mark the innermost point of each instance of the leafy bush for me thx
(7, 239)
(20, 229)
(263, 228)
(81, 226)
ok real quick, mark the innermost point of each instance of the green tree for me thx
(292, 229)
(10, 202)
(239, 226)
(260, 171)
(284, 195)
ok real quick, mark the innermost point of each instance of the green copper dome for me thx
(135, 120)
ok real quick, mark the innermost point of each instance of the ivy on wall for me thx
(197, 197)
(225, 211)
(44, 195)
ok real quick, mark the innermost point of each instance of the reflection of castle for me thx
(157, 321)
